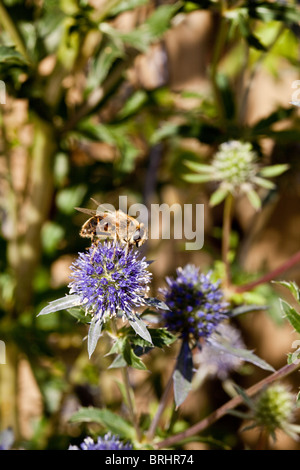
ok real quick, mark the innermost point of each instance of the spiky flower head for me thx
(108, 442)
(110, 281)
(6, 439)
(235, 167)
(274, 408)
(196, 304)
(215, 363)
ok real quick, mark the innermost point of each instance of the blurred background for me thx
(109, 98)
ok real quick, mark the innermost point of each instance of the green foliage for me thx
(67, 66)
(105, 418)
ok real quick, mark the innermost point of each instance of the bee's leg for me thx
(95, 242)
(115, 245)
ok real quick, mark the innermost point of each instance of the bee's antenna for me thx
(96, 202)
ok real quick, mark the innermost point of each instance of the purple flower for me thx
(110, 281)
(108, 442)
(196, 304)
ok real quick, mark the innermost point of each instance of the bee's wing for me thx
(102, 209)
(127, 225)
(86, 211)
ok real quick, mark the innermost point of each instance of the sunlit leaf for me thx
(274, 170)
(140, 328)
(109, 420)
(133, 104)
(292, 286)
(197, 178)
(64, 303)
(263, 183)
(218, 196)
(199, 167)
(221, 344)
(94, 334)
(254, 199)
(291, 314)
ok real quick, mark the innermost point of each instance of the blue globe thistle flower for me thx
(110, 281)
(196, 304)
(108, 442)
(6, 439)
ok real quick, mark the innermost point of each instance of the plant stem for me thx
(160, 410)
(263, 440)
(132, 411)
(295, 259)
(231, 404)
(226, 237)
(128, 391)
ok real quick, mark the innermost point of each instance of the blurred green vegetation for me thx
(80, 121)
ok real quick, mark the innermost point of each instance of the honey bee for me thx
(117, 225)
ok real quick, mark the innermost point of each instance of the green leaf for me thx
(254, 199)
(68, 198)
(156, 303)
(79, 314)
(126, 5)
(263, 182)
(140, 328)
(292, 286)
(158, 23)
(218, 196)
(291, 314)
(106, 418)
(118, 362)
(11, 55)
(153, 28)
(102, 64)
(64, 303)
(133, 104)
(274, 170)
(131, 358)
(197, 178)
(183, 374)
(168, 129)
(241, 309)
(94, 334)
(244, 396)
(199, 167)
(160, 337)
(244, 354)
(239, 414)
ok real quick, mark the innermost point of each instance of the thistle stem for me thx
(132, 411)
(227, 214)
(128, 391)
(295, 259)
(231, 404)
(160, 409)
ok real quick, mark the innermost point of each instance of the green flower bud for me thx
(274, 408)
